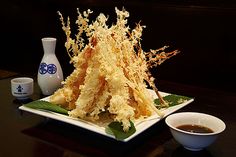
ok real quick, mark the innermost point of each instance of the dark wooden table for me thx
(23, 134)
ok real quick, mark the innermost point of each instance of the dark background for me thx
(204, 31)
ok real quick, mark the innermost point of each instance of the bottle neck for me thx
(49, 45)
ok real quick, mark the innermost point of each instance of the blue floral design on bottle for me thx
(50, 68)
(43, 68)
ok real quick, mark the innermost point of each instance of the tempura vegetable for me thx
(111, 72)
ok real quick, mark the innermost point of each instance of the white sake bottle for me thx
(50, 73)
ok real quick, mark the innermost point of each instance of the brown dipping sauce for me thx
(195, 128)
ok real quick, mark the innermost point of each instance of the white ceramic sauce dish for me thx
(192, 140)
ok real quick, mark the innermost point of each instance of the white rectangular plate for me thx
(140, 126)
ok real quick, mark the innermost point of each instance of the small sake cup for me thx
(22, 87)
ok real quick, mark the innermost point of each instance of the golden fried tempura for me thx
(110, 71)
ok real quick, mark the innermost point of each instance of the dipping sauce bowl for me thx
(194, 130)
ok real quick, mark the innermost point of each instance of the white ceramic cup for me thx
(22, 87)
